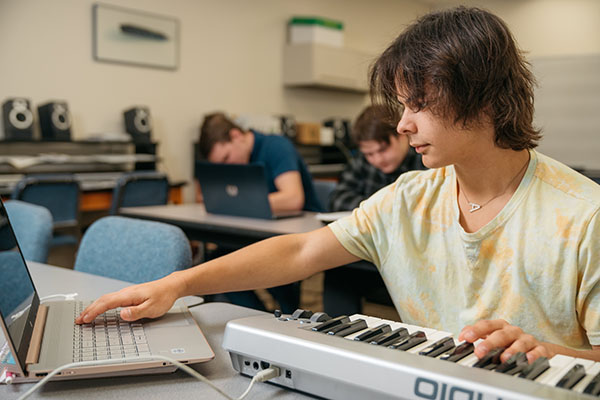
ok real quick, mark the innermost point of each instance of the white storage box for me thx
(316, 30)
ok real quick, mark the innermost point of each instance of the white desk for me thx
(212, 318)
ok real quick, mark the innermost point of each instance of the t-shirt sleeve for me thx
(588, 296)
(282, 156)
(366, 232)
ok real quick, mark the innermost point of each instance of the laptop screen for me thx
(18, 298)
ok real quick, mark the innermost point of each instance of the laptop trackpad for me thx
(176, 316)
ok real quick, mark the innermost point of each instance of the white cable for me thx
(66, 296)
(262, 376)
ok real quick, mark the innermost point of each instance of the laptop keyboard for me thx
(108, 337)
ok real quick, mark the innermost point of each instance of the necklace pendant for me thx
(474, 207)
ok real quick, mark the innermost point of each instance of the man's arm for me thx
(272, 262)
(290, 192)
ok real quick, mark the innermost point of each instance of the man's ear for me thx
(235, 134)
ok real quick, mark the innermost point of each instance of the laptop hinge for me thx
(33, 355)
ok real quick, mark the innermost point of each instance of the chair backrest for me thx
(140, 189)
(323, 190)
(32, 225)
(58, 193)
(132, 250)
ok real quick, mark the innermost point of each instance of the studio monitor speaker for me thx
(55, 121)
(341, 130)
(138, 124)
(288, 127)
(17, 120)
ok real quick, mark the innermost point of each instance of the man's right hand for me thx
(146, 300)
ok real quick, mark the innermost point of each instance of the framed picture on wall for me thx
(126, 36)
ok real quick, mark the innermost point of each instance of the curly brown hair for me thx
(463, 64)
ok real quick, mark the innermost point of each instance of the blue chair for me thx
(60, 195)
(32, 225)
(323, 190)
(136, 189)
(132, 250)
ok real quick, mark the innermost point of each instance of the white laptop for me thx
(42, 337)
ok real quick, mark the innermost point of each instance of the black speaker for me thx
(288, 127)
(341, 130)
(17, 120)
(138, 124)
(55, 121)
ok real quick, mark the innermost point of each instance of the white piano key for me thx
(591, 369)
(469, 360)
(559, 365)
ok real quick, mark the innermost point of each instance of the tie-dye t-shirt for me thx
(535, 265)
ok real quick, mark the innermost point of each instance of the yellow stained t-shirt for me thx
(534, 265)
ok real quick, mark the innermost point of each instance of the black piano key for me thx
(439, 347)
(491, 360)
(390, 337)
(570, 379)
(373, 332)
(460, 352)
(593, 387)
(327, 325)
(410, 341)
(517, 363)
(535, 369)
(348, 328)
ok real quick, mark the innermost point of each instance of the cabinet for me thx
(320, 66)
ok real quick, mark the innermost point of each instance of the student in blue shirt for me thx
(290, 183)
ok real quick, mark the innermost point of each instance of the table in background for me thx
(193, 219)
(212, 318)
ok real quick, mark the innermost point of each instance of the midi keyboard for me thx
(362, 357)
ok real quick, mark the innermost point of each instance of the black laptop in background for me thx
(239, 190)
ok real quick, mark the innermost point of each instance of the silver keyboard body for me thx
(338, 368)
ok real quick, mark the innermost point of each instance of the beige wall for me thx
(546, 28)
(230, 59)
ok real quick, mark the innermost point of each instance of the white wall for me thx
(230, 59)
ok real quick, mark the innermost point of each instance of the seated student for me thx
(290, 184)
(384, 156)
(495, 242)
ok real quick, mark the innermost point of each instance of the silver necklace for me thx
(477, 206)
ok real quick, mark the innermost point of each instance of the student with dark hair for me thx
(495, 241)
(290, 183)
(384, 156)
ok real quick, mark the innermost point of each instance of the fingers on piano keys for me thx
(576, 374)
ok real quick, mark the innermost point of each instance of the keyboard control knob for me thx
(320, 317)
(300, 313)
(277, 313)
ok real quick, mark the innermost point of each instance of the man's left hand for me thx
(499, 333)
